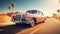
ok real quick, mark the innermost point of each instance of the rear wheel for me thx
(43, 21)
(32, 23)
(17, 23)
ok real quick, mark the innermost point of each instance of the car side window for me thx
(31, 12)
(35, 12)
(40, 13)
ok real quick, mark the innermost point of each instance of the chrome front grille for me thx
(18, 17)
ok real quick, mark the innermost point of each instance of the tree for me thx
(54, 15)
(59, 1)
(9, 7)
(58, 11)
(13, 4)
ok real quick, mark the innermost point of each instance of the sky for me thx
(48, 7)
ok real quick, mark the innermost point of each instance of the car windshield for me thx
(32, 11)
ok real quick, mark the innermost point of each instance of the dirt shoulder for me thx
(58, 18)
(5, 20)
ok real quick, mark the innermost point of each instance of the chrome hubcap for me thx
(32, 22)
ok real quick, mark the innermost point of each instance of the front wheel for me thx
(17, 24)
(32, 23)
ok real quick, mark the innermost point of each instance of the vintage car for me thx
(31, 17)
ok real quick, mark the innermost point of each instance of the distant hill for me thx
(4, 18)
(9, 13)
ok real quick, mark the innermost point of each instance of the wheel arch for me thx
(34, 19)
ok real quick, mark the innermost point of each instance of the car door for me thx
(40, 16)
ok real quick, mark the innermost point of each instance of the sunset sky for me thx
(46, 6)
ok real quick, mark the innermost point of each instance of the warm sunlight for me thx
(51, 7)
(29, 16)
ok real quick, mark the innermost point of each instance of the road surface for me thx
(51, 26)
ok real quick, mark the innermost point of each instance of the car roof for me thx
(31, 10)
(34, 11)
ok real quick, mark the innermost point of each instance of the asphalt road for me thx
(51, 26)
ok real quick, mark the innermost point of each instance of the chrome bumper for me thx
(21, 21)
